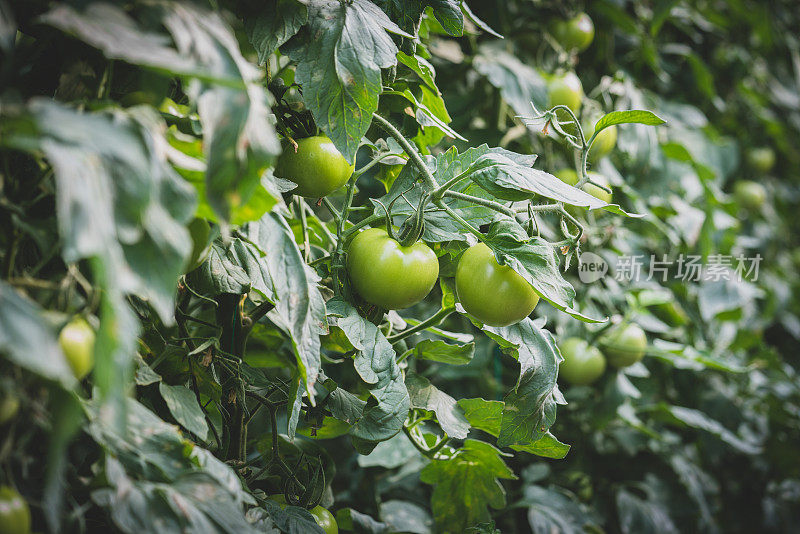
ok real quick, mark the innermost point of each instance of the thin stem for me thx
(433, 320)
(322, 225)
(482, 202)
(304, 228)
(474, 231)
(328, 204)
(346, 236)
(410, 150)
(440, 191)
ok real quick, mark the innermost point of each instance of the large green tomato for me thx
(15, 516)
(317, 167)
(565, 90)
(387, 274)
(583, 364)
(761, 159)
(570, 176)
(577, 32)
(77, 344)
(494, 294)
(199, 230)
(750, 195)
(624, 345)
(325, 520)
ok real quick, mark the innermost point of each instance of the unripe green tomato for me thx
(317, 167)
(624, 345)
(750, 195)
(595, 191)
(570, 176)
(605, 141)
(583, 364)
(15, 516)
(199, 230)
(388, 274)
(494, 294)
(77, 343)
(322, 516)
(9, 406)
(761, 159)
(574, 33)
(565, 90)
(325, 520)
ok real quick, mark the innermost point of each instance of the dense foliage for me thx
(189, 346)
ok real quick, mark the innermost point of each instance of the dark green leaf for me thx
(426, 396)
(439, 351)
(275, 22)
(183, 406)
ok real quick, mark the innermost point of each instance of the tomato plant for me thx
(365, 255)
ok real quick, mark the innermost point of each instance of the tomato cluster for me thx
(583, 363)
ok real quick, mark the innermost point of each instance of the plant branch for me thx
(433, 320)
(410, 150)
(482, 202)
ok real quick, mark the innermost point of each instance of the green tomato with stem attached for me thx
(387, 274)
(575, 33)
(583, 364)
(317, 167)
(624, 345)
(494, 294)
(565, 90)
(77, 343)
(15, 516)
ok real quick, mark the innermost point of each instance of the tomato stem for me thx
(433, 320)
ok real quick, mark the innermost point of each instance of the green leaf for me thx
(553, 510)
(519, 84)
(530, 408)
(387, 409)
(26, 340)
(183, 406)
(339, 56)
(426, 396)
(465, 485)
(404, 516)
(699, 420)
(421, 67)
(275, 22)
(239, 138)
(391, 454)
(437, 350)
(487, 415)
(219, 274)
(300, 307)
(640, 515)
(634, 116)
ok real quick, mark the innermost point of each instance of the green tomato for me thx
(565, 90)
(9, 406)
(624, 345)
(583, 364)
(317, 167)
(761, 159)
(388, 274)
(325, 520)
(199, 230)
(322, 516)
(494, 294)
(15, 516)
(750, 195)
(77, 344)
(570, 176)
(575, 33)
